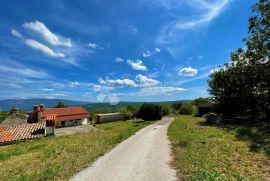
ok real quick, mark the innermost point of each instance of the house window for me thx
(62, 123)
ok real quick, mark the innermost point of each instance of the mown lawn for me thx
(204, 152)
(58, 158)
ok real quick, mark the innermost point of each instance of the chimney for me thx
(41, 107)
(35, 108)
(35, 114)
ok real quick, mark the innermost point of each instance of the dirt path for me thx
(144, 156)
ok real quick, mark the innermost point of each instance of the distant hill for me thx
(106, 107)
(27, 104)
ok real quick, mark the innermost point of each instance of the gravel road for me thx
(145, 156)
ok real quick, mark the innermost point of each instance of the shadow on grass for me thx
(258, 134)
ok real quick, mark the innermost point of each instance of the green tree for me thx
(127, 114)
(60, 105)
(186, 109)
(200, 100)
(150, 112)
(242, 87)
(177, 105)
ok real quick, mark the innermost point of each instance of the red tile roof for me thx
(21, 132)
(67, 113)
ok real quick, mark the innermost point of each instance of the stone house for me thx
(63, 117)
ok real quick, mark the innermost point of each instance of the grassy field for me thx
(204, 152)
(58, 158)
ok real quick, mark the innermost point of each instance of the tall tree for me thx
(242, 87)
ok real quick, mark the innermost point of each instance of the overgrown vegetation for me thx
(205, 152)
(58, 158)
(242, 87)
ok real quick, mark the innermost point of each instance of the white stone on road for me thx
(145, 156)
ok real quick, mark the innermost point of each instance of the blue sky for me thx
(132, 50)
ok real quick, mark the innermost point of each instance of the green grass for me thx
(58, 158)
(204, 152)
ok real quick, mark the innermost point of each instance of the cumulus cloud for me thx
(16, 33)
(137, 65)
(42, 48)
(146, 81)
(139, 81)
(51, 38)
(188, 71)
(118, 59)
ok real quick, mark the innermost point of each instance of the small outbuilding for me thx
(204, 108)
(109, 117)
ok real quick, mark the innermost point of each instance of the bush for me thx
(150, 112)
(186, 109)
(166, 110)
(177, 105)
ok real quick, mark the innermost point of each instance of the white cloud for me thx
(58, 85)
(136, 65)
(74, 84)
(203, 76)
(204, 12)
(92, 45)
(41, 29)
(23, 71)
(212, 11)
(47, 89)
(118, 82)
(200, 57)
(146, 81)
(13, 86)
(153, 91)
(188, 71)
(148, 53)
(16, 33)
(42, 48)
(118, 59)
(159, 90)
(157, 50)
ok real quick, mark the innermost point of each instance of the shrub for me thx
(166, 110)
(150, 112)
(177, 105)
(186, 109)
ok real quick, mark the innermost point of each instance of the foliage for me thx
(199, 100)
(58, 158)
(60, 105)
(127, 114)
(166, 109)
(3, 116)
(150, 112)
(177, 105)
(242, 87)
(186, 109)
(203, 152)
